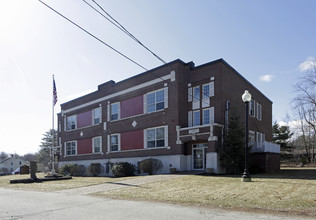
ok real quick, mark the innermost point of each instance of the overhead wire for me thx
(95, 37)
(122, 28)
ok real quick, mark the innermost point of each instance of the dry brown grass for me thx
(291, 191)
(75, 182)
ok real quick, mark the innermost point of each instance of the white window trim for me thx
(93, 147)
(259, 111)
(93, 115)
(253, 107)
(252, 134)
(196, 100)
(212, 115)
(190, 120)
(165, 100)
(118, 111)
(76, 123)
(206, 100)
(76, 148)
(212, 89)
(165, 137)
(118, 142)
(190, 94)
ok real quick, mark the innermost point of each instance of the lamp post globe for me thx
(246, 97)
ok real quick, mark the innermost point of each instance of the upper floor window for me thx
(196, 118)
(251, 138)
(206, 116)
(259, 111)
(156, 137)
(71, 148)
(96, 114)
(115, 142)
(96, 144)
(71, 122)
(156, 101)
(196, 97)
(206, 91)
(252, 108)
(190, 94)
(115, 111)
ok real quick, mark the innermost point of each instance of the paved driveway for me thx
(18, 204)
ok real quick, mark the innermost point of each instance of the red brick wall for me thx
(84, 146)
(132, 140)
(133, 106)
(84, 119)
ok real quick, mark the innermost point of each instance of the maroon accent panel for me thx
(84, 119)
(84, 146)
(132, 140)
(133, 106)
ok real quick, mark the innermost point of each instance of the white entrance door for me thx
(199, 156)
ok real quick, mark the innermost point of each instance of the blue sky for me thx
(266, 41)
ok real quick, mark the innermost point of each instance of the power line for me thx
(163, 80)
(122, 28)
(93, 35)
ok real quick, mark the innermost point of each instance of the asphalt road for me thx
(18, 204)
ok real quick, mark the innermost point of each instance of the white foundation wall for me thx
(212, 161)
(180, 162)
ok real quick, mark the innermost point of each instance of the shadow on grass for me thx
(297, 173)
(123, 184)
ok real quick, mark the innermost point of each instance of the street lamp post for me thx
(246, 97)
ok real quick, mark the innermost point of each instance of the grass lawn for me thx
(75, 182)
(292, 191)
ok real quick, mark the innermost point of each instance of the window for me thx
(196, 97)
(259, 111)
(96, 116)
(190, 119)
(156, 137)
(251, 138)
(206, 91)
(196, 118)
(96, 144)
(252, 108)
(190, 94)
(115, 142)
(20, 163)
(206, 95)
(155, 101)
(71, 122)
(115, 111)
(206, 116)
(71, 148)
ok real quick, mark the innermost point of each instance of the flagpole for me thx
(52, 150)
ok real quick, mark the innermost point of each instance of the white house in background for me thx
(10, 164)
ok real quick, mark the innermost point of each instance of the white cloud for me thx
(266, 78)
(307, 64)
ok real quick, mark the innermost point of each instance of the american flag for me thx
(54, 93)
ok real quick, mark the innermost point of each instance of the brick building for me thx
(176, 113)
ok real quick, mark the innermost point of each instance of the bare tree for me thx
(3, 155)
(304, 111)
